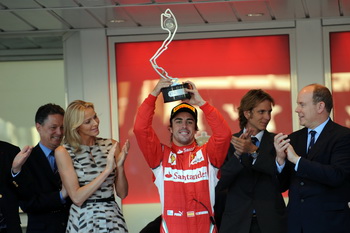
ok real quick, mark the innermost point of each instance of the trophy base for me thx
(176, 92)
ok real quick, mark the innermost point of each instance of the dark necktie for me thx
(312, 141)
(52, 161)
(255, 141)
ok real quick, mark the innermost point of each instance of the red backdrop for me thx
(340, 68)
(223, 70)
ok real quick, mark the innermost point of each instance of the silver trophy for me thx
(176, 91)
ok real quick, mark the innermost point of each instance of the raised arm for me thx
(147, 139)
(219, 142)
(25, 174)
(70, 180)
(121, 183)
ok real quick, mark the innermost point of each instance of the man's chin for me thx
(57, 143)
(263, 128)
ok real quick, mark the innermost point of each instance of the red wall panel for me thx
(231, 66)
(340, 69)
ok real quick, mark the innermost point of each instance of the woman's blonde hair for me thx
(74, 118)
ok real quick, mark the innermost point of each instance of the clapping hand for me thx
(21, 158)
(110, 158)
(120, 158)
(281, 143)
(243, 143)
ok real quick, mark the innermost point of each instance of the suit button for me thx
(302, 200)
(0, 195)
(302, 183)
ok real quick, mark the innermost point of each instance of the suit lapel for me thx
(45, 166)
(322, 140)
(265, 145)
(265, 162)
(299, 142)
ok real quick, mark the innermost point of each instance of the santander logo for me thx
(185, 176)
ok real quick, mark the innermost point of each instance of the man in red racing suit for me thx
(185, 173)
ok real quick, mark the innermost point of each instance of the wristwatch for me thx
(254, 154)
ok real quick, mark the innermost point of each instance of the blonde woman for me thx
(91, 169)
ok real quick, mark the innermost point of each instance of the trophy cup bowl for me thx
(176, 92)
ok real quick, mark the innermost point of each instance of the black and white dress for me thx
(101, 216)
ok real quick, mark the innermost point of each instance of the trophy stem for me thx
(168, 23)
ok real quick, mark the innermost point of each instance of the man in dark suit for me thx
(254, 203)
(316, 166)
(37, 181)
(9, 218)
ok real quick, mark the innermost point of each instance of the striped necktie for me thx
(312, 140)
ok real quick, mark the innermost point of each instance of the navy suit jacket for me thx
(8, 196)
(252, 187)
(319, 191)
(39, 190)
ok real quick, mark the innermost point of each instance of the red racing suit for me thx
(185, 176)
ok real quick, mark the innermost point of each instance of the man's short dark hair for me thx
(46, 110)
(322, 94)
(249, 101)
